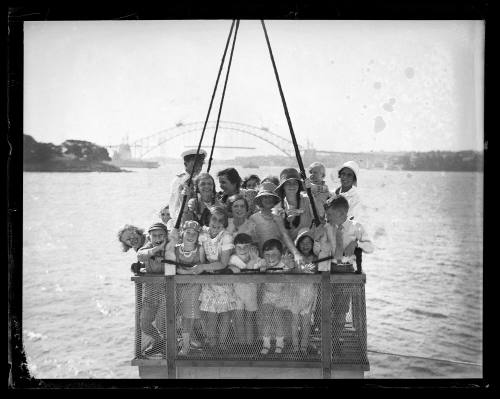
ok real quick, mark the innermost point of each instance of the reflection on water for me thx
(424, 280)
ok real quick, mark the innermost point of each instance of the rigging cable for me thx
(223, 94)
(295, 145)
(181, 210)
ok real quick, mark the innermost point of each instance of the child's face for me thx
(346, 178)
(336, 215)
(291, 187)
(239, 209)
(216, 224)
(190, 236)
(206, 186)
(165, 215)
(243, 251)
(267, 202)
(306, 245)
(131, 237)
(157, 236)
(272, 257)
(316, 175)
(252, 183)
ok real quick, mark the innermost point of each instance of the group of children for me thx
(279, 236)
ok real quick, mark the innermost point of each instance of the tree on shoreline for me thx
(85, 151)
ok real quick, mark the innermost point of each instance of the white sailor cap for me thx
(192, 151)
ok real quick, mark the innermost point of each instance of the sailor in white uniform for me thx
(180, 182)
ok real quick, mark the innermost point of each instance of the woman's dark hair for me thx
(251, 177)
(273, 243)
(232, 199)
(242, 238)
(296, 219)
(232, 175)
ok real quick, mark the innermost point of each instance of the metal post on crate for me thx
(138, 304)
(170, 318)
(326, 325)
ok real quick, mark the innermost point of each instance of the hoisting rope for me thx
(181, 210)
(222, 97)
(425, 358)
(316, 220)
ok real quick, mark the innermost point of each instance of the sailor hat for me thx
(193, 151)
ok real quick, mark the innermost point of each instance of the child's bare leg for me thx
(212, 328)
(280, 329)
(249, 327)
(295, 331)
(267, 311)
(305, 321)
(239, 322)
(187, 329)
(224, 329)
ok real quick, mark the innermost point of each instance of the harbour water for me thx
(423, 290)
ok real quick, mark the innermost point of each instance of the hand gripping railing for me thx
(336, 339)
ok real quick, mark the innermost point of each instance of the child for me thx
(217, 300)
(251, 181)
(246, 257)
(131, 237)
(348, 175)
(166, 218)
(304, 296)
(269, 225)
(275, 298)
(189, 252)
(319, 188)
(153, 305)
(340, 239)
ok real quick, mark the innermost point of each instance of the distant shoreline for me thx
(74, 166)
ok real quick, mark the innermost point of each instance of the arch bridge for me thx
(146, 145)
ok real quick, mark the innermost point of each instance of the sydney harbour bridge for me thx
(144, 146)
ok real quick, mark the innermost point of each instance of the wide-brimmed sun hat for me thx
(354, 167)
(266, 189)
(286, 175)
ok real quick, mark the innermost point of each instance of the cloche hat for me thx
(266, 188)
(355, 169)
(286, 175)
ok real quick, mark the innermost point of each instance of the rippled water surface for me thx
(424, 280)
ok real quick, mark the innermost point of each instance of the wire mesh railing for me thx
(278, 320)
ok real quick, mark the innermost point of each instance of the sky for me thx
(350, 86)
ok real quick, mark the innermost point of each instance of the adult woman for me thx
(230, 184)
(237, 205)
(297, 211)
(198, 209)
(348, 175)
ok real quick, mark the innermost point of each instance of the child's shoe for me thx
(279, 345)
